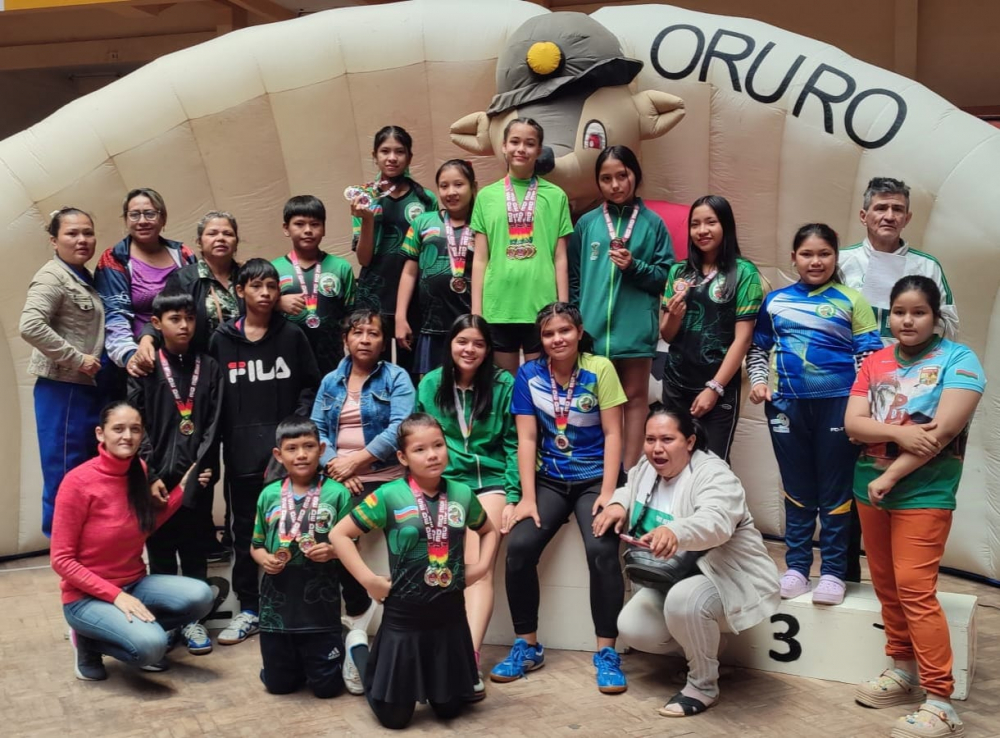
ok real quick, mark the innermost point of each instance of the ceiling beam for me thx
(266, 9)
(135, 50)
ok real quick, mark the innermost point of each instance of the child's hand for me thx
(205, 477)
(292, 304)
(360, 211)
(622, 258)
(759, 393)
(378, 587)
(272, 565)
(321, 552)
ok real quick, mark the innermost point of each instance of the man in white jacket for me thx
(875, 264)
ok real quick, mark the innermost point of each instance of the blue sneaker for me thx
(522, 658)
(198, 641)
(610, 677)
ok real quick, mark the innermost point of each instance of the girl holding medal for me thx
(438, 258)
(521, 225)
(568, 410)
(710, 303)
(379, 228)
(619, 254)
(470, 397)
(423, 649)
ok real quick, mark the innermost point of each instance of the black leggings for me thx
(556, 500)
(397, 715)
(719, 422)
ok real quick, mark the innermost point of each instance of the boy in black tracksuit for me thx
(180, 402)
(269, 373)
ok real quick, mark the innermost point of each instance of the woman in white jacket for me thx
(682, 498)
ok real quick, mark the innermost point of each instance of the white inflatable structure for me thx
(787, 128)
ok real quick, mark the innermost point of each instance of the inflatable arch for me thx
(787, 128)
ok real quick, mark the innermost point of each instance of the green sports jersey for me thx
(378, 282)
(393, 509)
(427, 244)
(334, 302)
(305, 596)
(709, 326)
(514, 290)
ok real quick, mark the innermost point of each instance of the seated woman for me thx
(104, 514)
(682, 498)
(911, 406)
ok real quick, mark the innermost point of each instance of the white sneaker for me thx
(352, 677)
(240, 628)
(198, 641)
(362, 621)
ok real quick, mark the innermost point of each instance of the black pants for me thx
(719, 422)
(356, 599)
(183, 535)
(854, 547)
(243, 494)
(396, 716)
(556, 500)
(294, 659)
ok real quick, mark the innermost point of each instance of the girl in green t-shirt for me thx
(379, 229)
(521, 224)
(423, 649)
(710, 303)
(438, 253)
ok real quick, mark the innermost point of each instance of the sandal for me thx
(689, 705)
(829, 591)
(888, 690)
(927, 722)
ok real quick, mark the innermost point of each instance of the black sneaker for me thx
(88, 664)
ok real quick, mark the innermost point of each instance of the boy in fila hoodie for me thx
(269, 372)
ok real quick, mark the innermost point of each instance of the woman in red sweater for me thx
(104, 513)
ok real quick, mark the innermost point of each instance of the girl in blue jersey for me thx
(820, 331)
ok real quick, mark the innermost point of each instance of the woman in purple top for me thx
(132, 272)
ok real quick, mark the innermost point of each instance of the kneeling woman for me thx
(423, 649)
(104, 514)
(682, 498)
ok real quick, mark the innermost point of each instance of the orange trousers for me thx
(904, 549)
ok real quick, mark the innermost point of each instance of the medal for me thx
(283, 554)
(437, 537)
(185, 408)
(561, 411)
(309, 507)
(368, 192)
(458, 253)
(680, 286)
(521, 220)
(312, 297)
(618, 242)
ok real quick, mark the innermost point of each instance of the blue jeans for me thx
(102, 627)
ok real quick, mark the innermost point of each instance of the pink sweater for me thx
(96, 541)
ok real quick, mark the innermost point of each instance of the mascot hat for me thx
(558, 53)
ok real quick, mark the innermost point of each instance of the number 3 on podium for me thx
(794, 651)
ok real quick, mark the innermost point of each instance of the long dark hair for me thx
(401, 135)
(572, 314)
(729, 249)
(628, 159)
(686, 423)
(465, 167)
(140, 501)
(482, 382)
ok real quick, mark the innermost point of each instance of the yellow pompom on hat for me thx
(544, 57)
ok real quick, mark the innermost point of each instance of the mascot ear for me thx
(658, 112)
(472, 133)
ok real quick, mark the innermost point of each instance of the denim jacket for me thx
(387, 397)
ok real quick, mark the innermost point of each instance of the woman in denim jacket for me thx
(358, 409)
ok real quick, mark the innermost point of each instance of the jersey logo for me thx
(929, 375)
(255, 371)
(456, 515)
(594, 246)
(329, 285)
(325, 518)
(781, 424)
(413, 210)
(586, 403)
(825, 310)
(718, 289)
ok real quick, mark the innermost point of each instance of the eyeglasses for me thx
(136, 215)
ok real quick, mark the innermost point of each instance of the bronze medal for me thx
(186, 426)
(459, 285)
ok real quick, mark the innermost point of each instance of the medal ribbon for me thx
(457, 252)
(312, 298)
(521, 218)
(437, 534)
(628, 229)
(310, 506)
(184, 408)
(561, 411)
(466, 427)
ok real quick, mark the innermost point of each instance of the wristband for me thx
(716, 387)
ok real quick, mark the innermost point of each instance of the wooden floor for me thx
(220, 694)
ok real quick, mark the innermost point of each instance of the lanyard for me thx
(310, 506)
(466, 427)
(560, 410)
(521, 221)
(312, 297)
(457, 251)
(618, 242)
(437, 534)
(683, 285)
(184, 408)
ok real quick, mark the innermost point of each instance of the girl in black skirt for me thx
(423, 649)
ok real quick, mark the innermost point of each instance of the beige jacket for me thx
(63, 319)
(711, 514)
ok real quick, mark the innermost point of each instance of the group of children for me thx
(431, 266)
